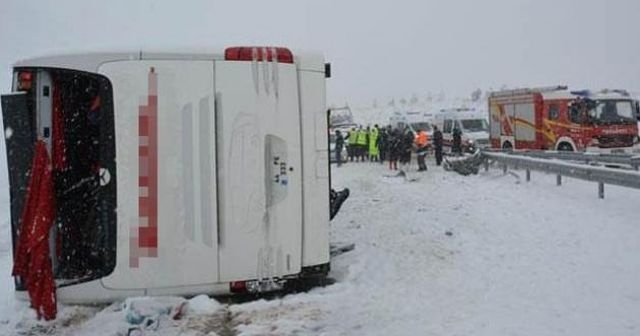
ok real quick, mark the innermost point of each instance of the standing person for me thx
(362, 144)
(394, 148)
(352, 136)
(374, 151)
(406, 143)
(365, 149)
(383, 143)
(437, 143)
(457, 141)
(389, 140)
(421, 140)
(339, 146)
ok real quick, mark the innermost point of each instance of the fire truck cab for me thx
(555, 118)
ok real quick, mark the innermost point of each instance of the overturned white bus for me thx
(175, 173)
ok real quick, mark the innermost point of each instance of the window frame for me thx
(447, 126)
(553, 107)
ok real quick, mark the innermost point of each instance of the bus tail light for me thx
(25, 80)
(282, 55)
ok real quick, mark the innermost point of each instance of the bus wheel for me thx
(507, 145)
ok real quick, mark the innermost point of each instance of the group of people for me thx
(394, 145)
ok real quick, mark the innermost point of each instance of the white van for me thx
(472, 123)
(415, 120)
(176, 173)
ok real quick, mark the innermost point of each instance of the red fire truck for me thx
(555, 118)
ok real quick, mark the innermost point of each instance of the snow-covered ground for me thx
(445, 255)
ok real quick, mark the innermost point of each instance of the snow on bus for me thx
(167, 173)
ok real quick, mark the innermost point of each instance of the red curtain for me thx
(32, 261)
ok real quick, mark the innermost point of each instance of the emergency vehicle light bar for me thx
(283, 55)
(621, 92)
(587, 93)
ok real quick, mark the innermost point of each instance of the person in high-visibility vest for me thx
(352, 136)
(362, 143)
(374, 152)
(421, 142)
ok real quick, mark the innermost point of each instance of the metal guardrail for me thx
(617, 159)
(601, 175)
(631, 160)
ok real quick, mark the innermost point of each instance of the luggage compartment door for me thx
(259, 170)
(167, 211)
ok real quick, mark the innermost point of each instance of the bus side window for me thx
(447, 126)
(554, 112)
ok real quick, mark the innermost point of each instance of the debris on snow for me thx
(337, 249)
(203, 304)
(140, 309)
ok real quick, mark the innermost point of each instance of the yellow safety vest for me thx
(362, 137)
(353, 137)
(373, 142)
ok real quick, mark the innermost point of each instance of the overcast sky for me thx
(379, 49)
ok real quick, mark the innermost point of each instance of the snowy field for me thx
(446, 255)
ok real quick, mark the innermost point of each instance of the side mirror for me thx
(327, 70)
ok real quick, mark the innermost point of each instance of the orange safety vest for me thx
(422, 139)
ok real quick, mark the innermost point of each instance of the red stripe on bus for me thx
(147, 227)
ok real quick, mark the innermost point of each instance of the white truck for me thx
(176, 173)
